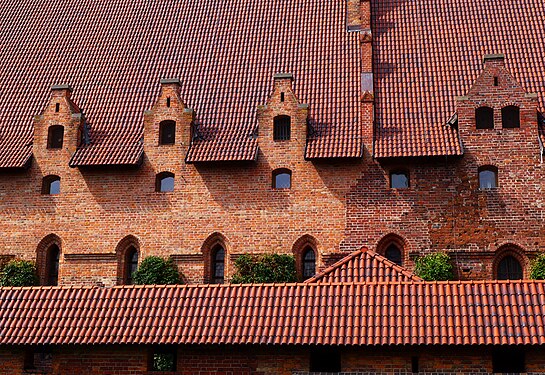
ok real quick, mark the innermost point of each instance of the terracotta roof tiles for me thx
(449, 313)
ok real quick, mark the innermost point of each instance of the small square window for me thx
(51, 185)
(282, 179)
(399, 180)
(164, 182)
(167, 132)
(55, 137)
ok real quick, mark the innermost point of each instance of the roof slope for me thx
(428, 52)
(363, 266)
(114, 53)
(447, 313)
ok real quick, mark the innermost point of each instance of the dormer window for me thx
(399, 179)
(167, 132)
(281, 179)
(488, 177)
(282, 128)
(51, 185)
(510, 117)
(55, 136)
(484, 118)
(164, 182)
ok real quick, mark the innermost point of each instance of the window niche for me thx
(510, 117)
(399, 179)
(52, 262)
(55, 137)
(164, 182)
(393, 254)
(488, 177)
(51, 185)
(282, 128)
(484, 118)
(509, 268)
(281, 179)
(167, 132)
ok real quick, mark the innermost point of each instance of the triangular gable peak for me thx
(364, 266)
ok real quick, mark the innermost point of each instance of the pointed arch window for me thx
(131, 265)
(167, 132)
(51, 185)
(510, 117)
(484, 118)
(282, 128)
(309, 263)
(218, 265)
(509, 268)
(55, 136)
(393, 254)
(52, 265)
(164, 182)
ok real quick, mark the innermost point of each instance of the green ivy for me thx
(537, 267)
(269, 268)
(434, 267)
(156, 270)
(19, 273)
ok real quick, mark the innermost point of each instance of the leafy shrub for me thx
(19, 273)
(434, 267)
(268, 268)
(537, 267)
(156, 270)
(164, 362)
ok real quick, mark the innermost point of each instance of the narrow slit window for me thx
(168, 101)
(164, 182)
(282, 128)
(218, 265)
(484, 118)
(51, 185)
(131, 264)
(281, 179)
(309, 263)
(167, 132)
(399, 180)
(55, 137)
(52, 265)
(488, 177)
(57, 107)
(282, 96)
(496, 81)
(510, 117)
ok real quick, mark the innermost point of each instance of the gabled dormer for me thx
(59, 129)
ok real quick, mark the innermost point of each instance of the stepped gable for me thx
(364, 266)
(225, 54)
(426, 53)
(415, 313)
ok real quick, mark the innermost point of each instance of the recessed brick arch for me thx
(121, 251)
(299, 249)
(41, 255)
(393, 239)
(516, 252)
(211, 242)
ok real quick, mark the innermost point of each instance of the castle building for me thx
(201, 130)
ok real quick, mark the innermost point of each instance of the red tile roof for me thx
(421, 313)
(428, 52)
(114, 54)
(363, 266)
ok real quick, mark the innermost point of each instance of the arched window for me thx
(399, 179)
(131, 264)
(51, 185)
(510, 117)
(55, 136)
(164, 182)
(281, 179)
(52, 265)
(488, 177)
(509, 268)
(167, 132)
(484, 118)
(393, 254)
(218, 265)
(309, 263)
(282, 128)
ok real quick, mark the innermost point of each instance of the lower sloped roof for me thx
(416, 313)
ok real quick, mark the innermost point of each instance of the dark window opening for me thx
(57, 107)
(164, 182)
(55, 136)
(325, 360)
(510, 117)
(52, 265)
(167, 132)
(282, 97)
(218, 265)
(415, 365)
(163, 360)
(309, 263)
(168, 101)
(508, 361)
(496, 81)
(393, 254)
(282, 128)
(399, 180)
(51, 185)
(131, 264)
(38, 361)
(282, 179)
(509, 268)
(488, 178)
(484, 118)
